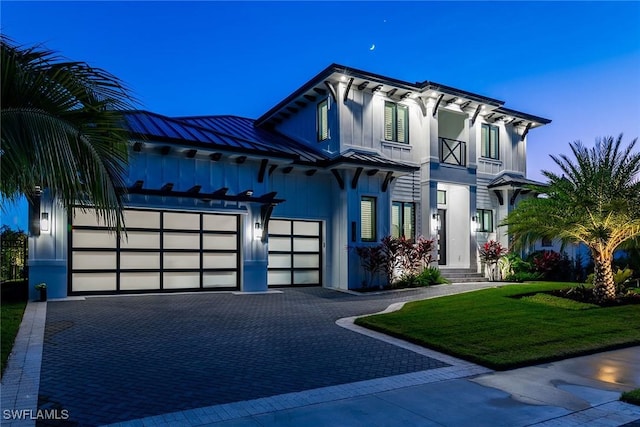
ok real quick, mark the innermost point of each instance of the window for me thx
(547, 242)
(396, 122)
(323, 120)
(485, 220)
(490, 147)
(368, 219)
(442, 197)
(403, 219)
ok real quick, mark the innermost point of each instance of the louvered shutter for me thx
(402, 124)
(388, 121)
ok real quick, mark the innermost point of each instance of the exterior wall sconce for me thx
(44, 221)
(436, 219)
(257, 231)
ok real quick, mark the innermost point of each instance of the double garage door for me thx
(295, 253)
(162, 251)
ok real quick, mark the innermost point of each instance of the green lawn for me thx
(10, 318)
(491, 328)
(632, 396)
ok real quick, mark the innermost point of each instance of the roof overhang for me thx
(443, 96)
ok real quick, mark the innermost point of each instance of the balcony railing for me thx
(453, 152)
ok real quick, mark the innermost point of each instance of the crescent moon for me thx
(373, 46)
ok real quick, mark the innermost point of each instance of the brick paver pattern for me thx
(114, 359)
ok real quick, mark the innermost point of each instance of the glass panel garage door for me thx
(295, 255)
(161, 251)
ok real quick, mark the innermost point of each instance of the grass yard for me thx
(10, 318)
(492, 328)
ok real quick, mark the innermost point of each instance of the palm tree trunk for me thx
(604, 285)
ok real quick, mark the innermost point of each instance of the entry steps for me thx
(462, 275)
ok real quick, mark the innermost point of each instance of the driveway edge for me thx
(21, 380)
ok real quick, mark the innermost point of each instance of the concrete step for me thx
(466, 279)
(462, 275)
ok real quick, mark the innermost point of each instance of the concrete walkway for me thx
(452, 392)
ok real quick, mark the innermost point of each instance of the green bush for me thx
(523, 276)
(428, 277)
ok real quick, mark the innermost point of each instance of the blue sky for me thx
(577, 63)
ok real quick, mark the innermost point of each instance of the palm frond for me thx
(62, 129)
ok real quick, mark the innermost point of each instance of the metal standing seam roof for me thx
(165, 129)
(241, 127)
(239, 134)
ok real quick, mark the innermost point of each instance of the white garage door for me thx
(161, 251)
(295, 254)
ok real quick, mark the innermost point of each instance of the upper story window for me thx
(368, 219)
(403, 219)
(323, 120)
(490, 144)
(396, 122)
(442, 197)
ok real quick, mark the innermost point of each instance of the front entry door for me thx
(442, 237)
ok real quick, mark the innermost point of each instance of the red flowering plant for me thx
(490, 253)
(372, 261)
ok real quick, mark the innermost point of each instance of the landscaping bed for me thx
(10, 319)
(495, 328)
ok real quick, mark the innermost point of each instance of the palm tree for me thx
(596, 202)
(62, 130)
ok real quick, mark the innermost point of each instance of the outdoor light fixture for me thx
(44, 221)
(257, 231)
(436, 218)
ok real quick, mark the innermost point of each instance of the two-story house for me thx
(230, 203)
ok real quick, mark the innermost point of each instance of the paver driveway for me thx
(120, 358)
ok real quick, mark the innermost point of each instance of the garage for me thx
(295, 253)
(160, 251)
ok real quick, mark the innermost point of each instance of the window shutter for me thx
(494, 142)
(388, 121)
(484, 147)
(408, 220)
(395, 219)
(368, 219)
(402, 125)
(323, 120)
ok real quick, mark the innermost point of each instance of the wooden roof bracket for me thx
(526, 131)
(332, 89)
(435, 109)
(356, 177)
(512, 200)
(346, 92)
(263, 169)
(475, 114)
(498, 194)
(336, 174)
(387, 180)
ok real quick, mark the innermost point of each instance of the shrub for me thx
(396, 256)
(431, 276)
(490, 253)
(371, 261)
(552, 265)
(523, 276)
(427, 277)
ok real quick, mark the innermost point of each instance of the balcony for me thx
(453, 152)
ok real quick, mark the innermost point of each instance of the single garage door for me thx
(161, 251)
(295, 254)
